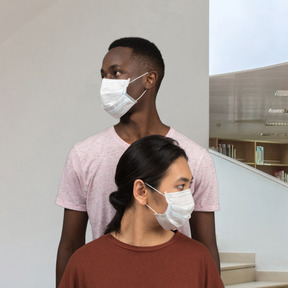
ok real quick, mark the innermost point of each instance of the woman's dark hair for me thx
(147, 159)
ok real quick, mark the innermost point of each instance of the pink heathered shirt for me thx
(88, 177)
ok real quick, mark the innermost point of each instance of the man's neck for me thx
(138, 125)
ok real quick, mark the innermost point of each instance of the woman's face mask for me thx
(180, 207)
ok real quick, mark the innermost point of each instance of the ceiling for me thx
(240, 101)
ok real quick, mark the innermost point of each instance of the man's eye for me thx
(117, 73)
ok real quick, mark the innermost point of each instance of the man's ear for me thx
(151, 80)
(140, 192)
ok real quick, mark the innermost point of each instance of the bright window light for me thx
(278, 110)
(281, 93)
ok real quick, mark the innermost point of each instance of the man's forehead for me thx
(118, 56)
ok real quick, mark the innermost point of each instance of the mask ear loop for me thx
(144, 90)
(157, 192)
(155, 213)
(154, 189)
(141, 95)
(138, 77)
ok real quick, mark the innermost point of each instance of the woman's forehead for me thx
(179, 168)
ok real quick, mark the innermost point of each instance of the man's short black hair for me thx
(146, 53)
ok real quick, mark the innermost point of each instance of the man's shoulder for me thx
(186, 143)
(97, 138)
(102, 142)
(103, 146)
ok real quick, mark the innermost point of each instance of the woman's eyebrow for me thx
(184, 179)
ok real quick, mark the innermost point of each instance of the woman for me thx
(141, 246)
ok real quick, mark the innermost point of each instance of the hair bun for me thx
(117, 201)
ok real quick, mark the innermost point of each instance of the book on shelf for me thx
(224, 149)
(282, 175)
(230, 149)
(259, 155)
(234, 153)
(227, 149)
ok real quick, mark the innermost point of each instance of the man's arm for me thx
(203, 230)
(72, 238)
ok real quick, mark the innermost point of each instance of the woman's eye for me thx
(181, 187)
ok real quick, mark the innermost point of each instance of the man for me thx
(134, 64)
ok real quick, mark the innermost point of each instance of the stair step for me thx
(259, 284)
(225, 266)
(235, 273)
(239, 257)
(238, 271)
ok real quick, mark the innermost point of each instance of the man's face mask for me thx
(180, 207)
(114, 98)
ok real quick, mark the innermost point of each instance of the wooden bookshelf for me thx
(275, 154)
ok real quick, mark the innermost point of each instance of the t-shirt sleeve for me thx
(71, 192)
(206, 185)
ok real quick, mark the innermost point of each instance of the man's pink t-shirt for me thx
(88, 177)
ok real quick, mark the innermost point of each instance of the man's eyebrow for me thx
(114, 66)
(111, 68)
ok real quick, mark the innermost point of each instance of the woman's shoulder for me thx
(190, 243)
(91, 248)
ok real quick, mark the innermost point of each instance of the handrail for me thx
(245, 166)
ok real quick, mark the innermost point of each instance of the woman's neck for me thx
(135, 230)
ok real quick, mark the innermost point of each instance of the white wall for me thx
(253, 215)
(49, 82)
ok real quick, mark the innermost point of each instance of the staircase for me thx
(238, 271)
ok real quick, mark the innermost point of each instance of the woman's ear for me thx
(151, 80)
(140, 192)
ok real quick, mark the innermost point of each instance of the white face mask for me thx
(114, 98)
(180, 207)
